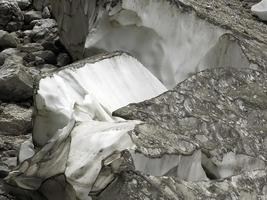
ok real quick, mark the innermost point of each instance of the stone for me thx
(31, 47)
(40, 4)
(47, 68)
(6, 53)
(46, 13)
(13, 26)
(132, 185)
(214, 111)
(24, 4)
(15, 120)
(44, 30)
(32, 15)
(7, 40)
(15, 81)
(3, 171)
(47, 55)
(63, 59)
(9, 10)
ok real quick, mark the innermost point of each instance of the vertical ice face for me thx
(260, 9)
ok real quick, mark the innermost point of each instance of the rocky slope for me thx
(106, 127)
(29, 45)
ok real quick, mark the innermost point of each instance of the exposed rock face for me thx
(14, 120)
(217, 111)
(131, 185)
(138, 28)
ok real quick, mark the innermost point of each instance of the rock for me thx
(4, 170)
(9, 11)
(48, 56)
(13, 26)
(15, 81)
(44, 30)
(14, 120)
(133, 185)
(40, 4)
(11, 162)
(7, 40)
(24, 4)
(166, 48)
(47, 68)
(6, 53)
(215, 111)
(31, 47)
(46, 13)
(63, 59)
(32, 15)
(260, 9)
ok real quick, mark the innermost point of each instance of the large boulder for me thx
(40, 4)
(15, 81)
(9, 11)
(14, 120)
(7, 40)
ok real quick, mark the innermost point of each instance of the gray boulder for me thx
(14, 120)
(15, 81)
(31, 47)
(6, 53)
(32, 15)
(24, 4)
(40, 4)
(7, 40)
(47, 55)
(9, 11)
(63, 59)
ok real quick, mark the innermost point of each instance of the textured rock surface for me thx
(134, 186)
(9, 11)
(219, 111)
(15, 81)
(14, 120)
